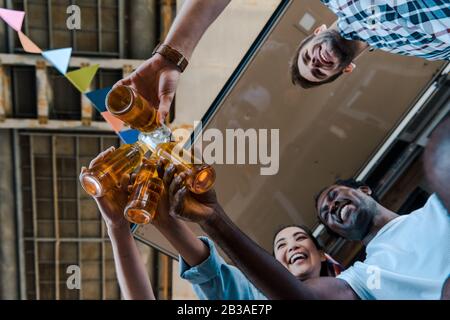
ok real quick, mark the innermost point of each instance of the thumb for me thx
(177, 204)
(164, 106)
(166, 92)
(124, 82)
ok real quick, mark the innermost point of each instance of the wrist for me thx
(214, 218)
(171, 55)
(118, 230)
(182, 45)
(168, 223)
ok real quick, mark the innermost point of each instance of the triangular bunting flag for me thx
(13, 18)
(59, 58)
(98, 98)
(115, 123)
(27, 44)
(129, 136)
(82, 78)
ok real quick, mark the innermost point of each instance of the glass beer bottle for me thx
(145, 195)
(106, 175)
(200, 177)
(126, 104)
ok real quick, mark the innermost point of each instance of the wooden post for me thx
(86, 106)
(2, 95)
(42, 85)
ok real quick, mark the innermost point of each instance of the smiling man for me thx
(407, 256)
(406, 27)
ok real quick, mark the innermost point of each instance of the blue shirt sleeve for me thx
(214, 279)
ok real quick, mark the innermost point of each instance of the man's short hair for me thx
(350, 183)
(297, 78)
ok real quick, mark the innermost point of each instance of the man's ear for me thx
(366, 190)
(323, 257)
(320, 29)
(349, 68)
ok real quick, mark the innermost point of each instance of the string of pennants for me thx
(80, 79)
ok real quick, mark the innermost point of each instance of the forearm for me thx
(254, 261)
(133, 278)
(192, 249)
(191, 23)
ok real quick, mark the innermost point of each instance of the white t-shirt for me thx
(409, 258)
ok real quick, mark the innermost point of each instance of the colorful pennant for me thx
(129, 136)
(115, 123)
(98, 98)
(60, 58)
(28, 45)
(13, 18)
(83, 77)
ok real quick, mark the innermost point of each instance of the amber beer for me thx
(146, 193)
(200, 177)
(106, 175)
(126, 104)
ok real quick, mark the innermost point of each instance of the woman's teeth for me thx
(296, 257)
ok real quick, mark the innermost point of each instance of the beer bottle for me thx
(106, 175)
(145, 195)
(125, 103)
(200, 177)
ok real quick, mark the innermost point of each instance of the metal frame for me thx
(19, 217)
(35, 226)
(282, 7)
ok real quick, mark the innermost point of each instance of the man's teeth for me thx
(343, 212)
(297, 256)
(323, 57)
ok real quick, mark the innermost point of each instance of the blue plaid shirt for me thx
(418, 28)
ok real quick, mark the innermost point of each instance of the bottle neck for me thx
(142, 147)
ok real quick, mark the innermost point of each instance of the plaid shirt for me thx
(409, 27)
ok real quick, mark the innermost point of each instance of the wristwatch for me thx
(172, 55)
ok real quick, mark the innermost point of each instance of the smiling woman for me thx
(296, 248)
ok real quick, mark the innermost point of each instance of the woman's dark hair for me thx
(324, 269)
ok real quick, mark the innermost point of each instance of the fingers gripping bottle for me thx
(106, 174)
(146, 193)
(126, 104)
(200, 177)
